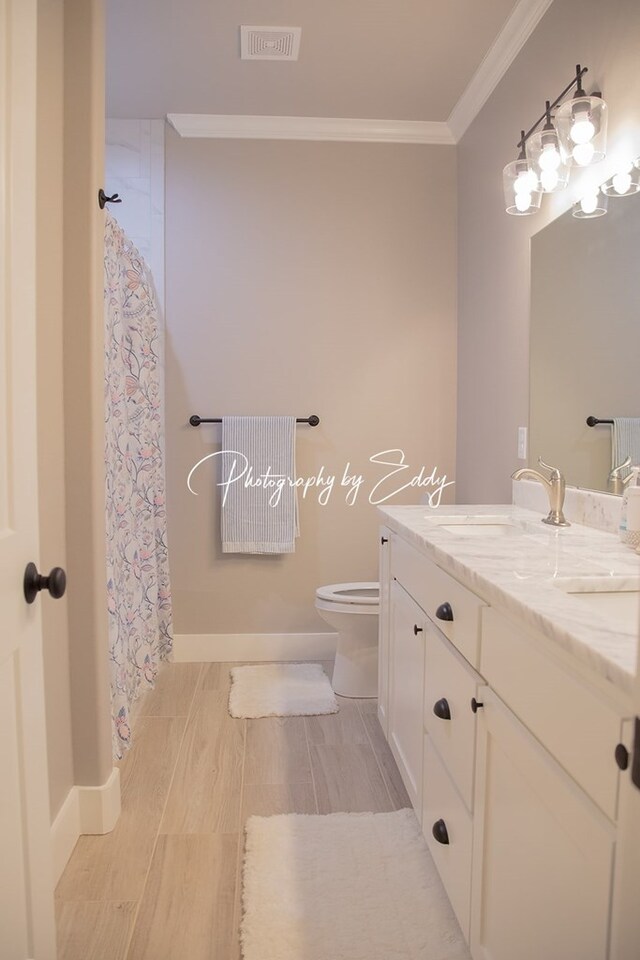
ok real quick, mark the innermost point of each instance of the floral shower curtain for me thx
(139, 595)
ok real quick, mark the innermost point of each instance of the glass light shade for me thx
(592, 204)
(625, 181)
(582, 131)
(544, 154)
(522, 191)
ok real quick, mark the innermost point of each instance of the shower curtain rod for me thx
(195, 420)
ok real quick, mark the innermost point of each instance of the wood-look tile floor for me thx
(165, 884)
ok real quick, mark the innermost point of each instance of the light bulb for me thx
(523, 201)
(583, 153)
(582, 129)
(549, 158)
(589, 203)
(525, 182)
(549, 180)
(621, 182)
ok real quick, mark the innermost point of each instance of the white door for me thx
(27, 928)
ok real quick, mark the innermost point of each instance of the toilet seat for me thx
(360, 594)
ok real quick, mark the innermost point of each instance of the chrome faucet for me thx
(616, 482)
(555, 487)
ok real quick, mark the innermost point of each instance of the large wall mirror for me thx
(585, 338)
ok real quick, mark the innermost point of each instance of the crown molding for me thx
(523, 20)
(228, 126)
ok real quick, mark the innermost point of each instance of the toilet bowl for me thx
(352, 610)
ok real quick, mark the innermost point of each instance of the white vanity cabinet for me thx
(542, 851)
(506, 749)
(406, 688)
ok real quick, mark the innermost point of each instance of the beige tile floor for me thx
(165, 884)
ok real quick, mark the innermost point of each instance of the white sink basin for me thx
(615, 599)
(480, 526)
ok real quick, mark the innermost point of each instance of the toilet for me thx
(352, 610)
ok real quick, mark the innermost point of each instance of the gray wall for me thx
(303, 278)
(493, 248)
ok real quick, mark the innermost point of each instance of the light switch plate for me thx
(522, 443)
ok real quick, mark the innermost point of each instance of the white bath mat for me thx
(280, 690)
(347, 886)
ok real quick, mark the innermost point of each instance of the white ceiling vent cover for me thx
(270, 43)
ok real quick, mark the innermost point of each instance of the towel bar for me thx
(593, 421)
(195, 420)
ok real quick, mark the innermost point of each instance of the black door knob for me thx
(416, 629)
(439, 831)
(34, 582)
(475, 705)
(441, 709)
(384, 539)
(444, 611)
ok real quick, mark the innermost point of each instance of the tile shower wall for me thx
(134, 168)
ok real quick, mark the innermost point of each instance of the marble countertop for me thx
(523, 573)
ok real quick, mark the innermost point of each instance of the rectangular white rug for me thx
(280, 690)
(346, 886)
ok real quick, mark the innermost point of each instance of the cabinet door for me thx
(406, 689)
(542, 853)
(386, 540)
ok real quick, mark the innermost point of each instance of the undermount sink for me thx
(480, 526)
(617, 599)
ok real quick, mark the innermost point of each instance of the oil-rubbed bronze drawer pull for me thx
(444, 612)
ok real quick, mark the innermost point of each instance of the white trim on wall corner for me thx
(517, 29)
(91, 810)
(229, 126)
(260, 647)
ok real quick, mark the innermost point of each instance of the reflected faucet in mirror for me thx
(616, 481)
(555, 487)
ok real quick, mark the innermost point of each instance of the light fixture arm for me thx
(576, 82)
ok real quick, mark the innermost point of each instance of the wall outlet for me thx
(522, 443)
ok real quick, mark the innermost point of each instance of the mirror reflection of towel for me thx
(259, 516)
(625, 442)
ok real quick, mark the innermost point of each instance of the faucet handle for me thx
(615, 471)
(554, 471)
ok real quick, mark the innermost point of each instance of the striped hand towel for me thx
(625, 442)
(259, 504)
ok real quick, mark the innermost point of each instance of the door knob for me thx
(416, 629)
(34, 582)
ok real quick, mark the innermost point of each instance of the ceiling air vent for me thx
(270, 43)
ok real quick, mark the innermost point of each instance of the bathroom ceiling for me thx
(390, 59)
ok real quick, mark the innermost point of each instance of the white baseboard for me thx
(85, 810)
(260, 647)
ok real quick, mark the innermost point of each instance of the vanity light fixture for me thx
(522, 190)
(543, 151)
(582, 126)
(625, 182)
(575, 136)
(593, 203)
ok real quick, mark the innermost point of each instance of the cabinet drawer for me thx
(441, 802)
(576, 726)
(431, 587)
(449, 685)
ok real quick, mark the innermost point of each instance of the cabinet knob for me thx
(475, 705)
(622, 756)
(384, 539)
(416, 629)
(439, 831)
(441, 709)
(444, 612)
